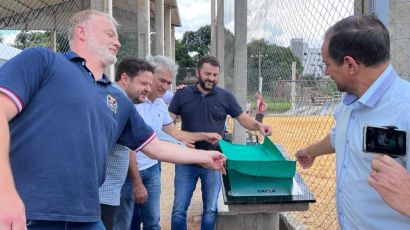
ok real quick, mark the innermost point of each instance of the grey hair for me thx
(160, 62)
(85, 16)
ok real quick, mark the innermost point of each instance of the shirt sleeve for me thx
(234, 108)
(174, 105)
(166, 118)
(333, 129)
(165, 137)
(21, 84)
(136, 133)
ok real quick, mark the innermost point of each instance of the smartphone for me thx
(386, 140)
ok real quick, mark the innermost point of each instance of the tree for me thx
(276, 64)
(184, 60)
(32, 39)
(182, 55)
(129, 45)
(194, 44)
(62, 42)
(27, 39)
(198, 41)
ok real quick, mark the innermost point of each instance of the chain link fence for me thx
(300, 99)
(44, 24)
(284, 63)
(281, 34)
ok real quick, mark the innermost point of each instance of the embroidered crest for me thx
(112, 103)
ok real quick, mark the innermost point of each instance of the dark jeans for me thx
(108, 215)
(63, 225)
(185, 180)
(130, 215)
(148, 214)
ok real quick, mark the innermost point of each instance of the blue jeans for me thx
(64, 225)
(185, 180)
(131, 215)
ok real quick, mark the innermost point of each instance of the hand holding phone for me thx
(388, 140)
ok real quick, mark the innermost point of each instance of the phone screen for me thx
(384, 140)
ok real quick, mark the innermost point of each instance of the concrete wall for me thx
(399, 28)
(398, 24)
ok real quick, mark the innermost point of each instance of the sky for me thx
(193, 14)
(8, 35)
(276, 21)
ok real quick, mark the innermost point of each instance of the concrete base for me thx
(253, 216)
(248, 221)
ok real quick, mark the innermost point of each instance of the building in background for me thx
(310, 58)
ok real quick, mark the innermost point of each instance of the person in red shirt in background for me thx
(260, 107)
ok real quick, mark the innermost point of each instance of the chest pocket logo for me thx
(112, 103)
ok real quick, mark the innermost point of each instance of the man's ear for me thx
(197, 72)
(352, 64)
(81, 32)
(124, 79)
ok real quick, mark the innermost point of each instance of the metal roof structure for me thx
(55, 14)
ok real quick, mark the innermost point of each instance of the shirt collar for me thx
(72, 56)
(375, 91)
(156, 100)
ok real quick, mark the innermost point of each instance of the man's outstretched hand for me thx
(216, 161)
(265, 130)
(212, 138)
(304, 159)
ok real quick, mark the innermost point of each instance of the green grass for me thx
(278, 106)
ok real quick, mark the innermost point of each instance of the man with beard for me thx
(145, 207)
(203, 107)
(356, 51)
(60, 116)
(134, 78)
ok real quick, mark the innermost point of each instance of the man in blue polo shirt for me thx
(203, 107)
(60, 116)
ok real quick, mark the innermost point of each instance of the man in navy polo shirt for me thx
(60, 116)
(203, 107)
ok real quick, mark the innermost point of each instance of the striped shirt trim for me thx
(14, 98)
(153, 135)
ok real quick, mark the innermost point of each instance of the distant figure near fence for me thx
(260, 106)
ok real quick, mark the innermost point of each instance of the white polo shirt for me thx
(156, 115)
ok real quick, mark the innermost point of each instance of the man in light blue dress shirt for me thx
(356, 51)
